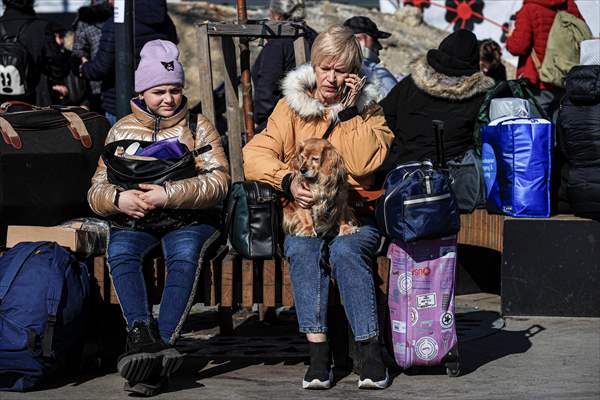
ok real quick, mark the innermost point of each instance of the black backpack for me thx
(14, 63)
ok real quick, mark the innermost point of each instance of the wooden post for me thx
(234, 133)
(205, 70)
(300, 50)
(245, 72)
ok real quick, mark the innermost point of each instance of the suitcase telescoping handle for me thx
(438, 133)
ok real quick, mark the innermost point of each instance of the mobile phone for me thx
(345, 93)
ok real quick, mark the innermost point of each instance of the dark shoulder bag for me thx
(254, 220)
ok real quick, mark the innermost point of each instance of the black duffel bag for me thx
(254, 220)
(47, 159)
(128, 173)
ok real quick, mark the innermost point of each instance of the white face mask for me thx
(369, 54)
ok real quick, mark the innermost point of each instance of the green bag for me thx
(254, 220)
(562, 48)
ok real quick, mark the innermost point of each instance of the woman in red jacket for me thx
(531, 31)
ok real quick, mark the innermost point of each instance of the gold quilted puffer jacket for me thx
(206, 189)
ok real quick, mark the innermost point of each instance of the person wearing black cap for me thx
(444, 85)
(368, 35)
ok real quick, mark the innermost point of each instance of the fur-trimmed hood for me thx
(297, 88)
(448, 87)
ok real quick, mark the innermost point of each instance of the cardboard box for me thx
(84, 242)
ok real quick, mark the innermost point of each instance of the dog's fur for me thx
(318, 166)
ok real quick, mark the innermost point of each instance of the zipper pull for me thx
(156, 128)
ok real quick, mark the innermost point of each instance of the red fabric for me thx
(532, 28)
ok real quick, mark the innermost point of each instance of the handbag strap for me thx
(330, 129)
(9, 135)
(78, 129)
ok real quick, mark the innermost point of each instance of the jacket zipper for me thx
(156, 128)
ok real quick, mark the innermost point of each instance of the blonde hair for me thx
(337, 43)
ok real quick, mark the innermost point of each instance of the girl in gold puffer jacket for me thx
(160, 112)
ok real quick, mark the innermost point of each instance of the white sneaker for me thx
(316, 383)
(368, 383)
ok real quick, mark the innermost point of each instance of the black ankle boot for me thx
(144, 338)
(319, 374)
(373, 373)
(143, 353)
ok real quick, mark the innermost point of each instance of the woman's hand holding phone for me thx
(353, 85)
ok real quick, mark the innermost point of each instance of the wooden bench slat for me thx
(383, 270)
(247, 282)
(269, 283)
(227, 281)
(287, 298)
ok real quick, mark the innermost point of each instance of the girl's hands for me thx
(155, 195)
(131, 204)
(137, 203)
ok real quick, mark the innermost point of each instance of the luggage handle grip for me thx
(438, 131)
(78, 129)
(10, 136)
(4, 107)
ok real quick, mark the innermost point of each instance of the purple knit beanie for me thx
(159, 65)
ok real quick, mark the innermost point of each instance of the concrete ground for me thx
(529, 358)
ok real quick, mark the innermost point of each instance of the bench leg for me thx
(266, 314)
(225, 321)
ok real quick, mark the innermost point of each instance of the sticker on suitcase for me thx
(426, 300)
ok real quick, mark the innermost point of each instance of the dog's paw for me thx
(347, 229)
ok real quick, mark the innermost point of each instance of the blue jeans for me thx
(350, 258)
(183, 250)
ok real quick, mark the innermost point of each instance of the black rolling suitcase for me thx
(47, 158)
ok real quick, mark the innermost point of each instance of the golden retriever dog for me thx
(320, 168)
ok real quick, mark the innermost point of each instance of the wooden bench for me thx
(230, 282)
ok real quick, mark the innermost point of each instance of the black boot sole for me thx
(145, 389)
(140, 366)
(171, 361)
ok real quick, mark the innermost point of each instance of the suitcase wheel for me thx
(453, 369)
(452, 363)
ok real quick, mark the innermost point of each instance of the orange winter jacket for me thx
(362, 141)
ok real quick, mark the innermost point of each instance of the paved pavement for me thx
(529, 358)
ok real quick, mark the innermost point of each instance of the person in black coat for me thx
(276, 59)
(47, 61)
(579, 133)
(445, 85)
(151, 22)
